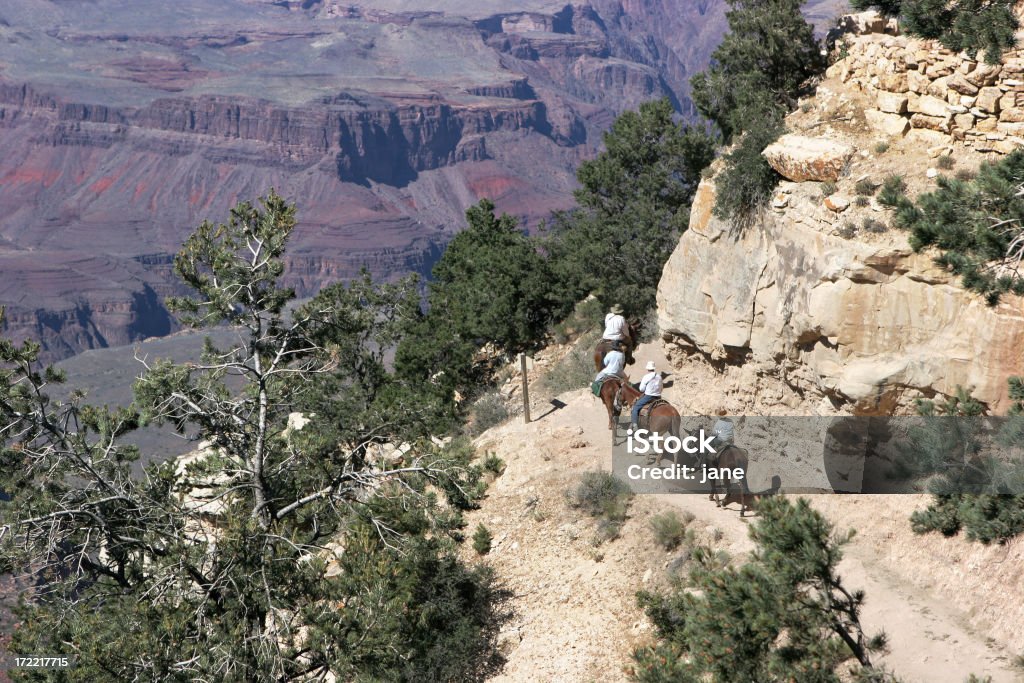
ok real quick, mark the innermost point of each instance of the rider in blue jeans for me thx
(650, 385)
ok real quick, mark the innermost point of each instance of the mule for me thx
(612, 397)
(731, 458)
(662, 419)
(628, 346)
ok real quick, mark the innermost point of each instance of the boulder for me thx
(984, 74)
(959, 83)
(891, 102)
(893, 82)
(887, 124)
(917, 82)
(941, 124)
(800, 159)
(837, 203)
(988, 99)
(863, 23)
(963, 121)
(1012, 115)
(932, 106)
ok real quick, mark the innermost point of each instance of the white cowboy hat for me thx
(616, 309)
(650, 365)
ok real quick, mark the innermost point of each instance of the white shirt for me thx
(613, 326)
(651, 383)
(614, 363)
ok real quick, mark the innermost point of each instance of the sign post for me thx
(526, 389)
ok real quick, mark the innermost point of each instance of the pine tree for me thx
(140, 583)
(784, 615)
(492, 284)
(977, 224)
(762, 64)
(634, 202)
(963, 25)
(978, 494)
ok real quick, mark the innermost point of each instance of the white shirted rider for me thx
(614, 366)
(615, 326)
(650, 385)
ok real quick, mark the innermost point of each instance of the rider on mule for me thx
(618, 336)
(650, 385)
(614, 366)
(616, 330)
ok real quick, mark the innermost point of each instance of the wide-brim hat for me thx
(616, 309)
(651, 365)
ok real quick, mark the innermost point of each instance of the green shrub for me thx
(945, 162)
(828, 188)
(871, 225)
(669, 529)
(489, 410)
(601, 494)
(961, 25)
(987, 514)
(576, 369)
(881, 147)
(848, 230)
(746, 183)
(894, 190)
(493, 464)
(606, 530)
(482, 540)
(973, 224)
(964, 174)
(862, 202)
(984, 518)
(864, 187)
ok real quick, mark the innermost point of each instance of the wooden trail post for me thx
(526, 389)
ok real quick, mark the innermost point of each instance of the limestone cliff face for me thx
(841, 323)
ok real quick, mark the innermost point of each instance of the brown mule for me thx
(612, 392)
(662, 419)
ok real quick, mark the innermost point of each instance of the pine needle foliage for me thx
(962, 25)
(784, 615)
(977, 224)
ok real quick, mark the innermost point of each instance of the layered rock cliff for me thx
(821, 306)
(123, 125)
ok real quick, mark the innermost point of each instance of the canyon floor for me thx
(944, 603)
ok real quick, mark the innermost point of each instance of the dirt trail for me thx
(576, 610)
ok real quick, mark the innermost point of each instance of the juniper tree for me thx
(139, 580)
(634, 202)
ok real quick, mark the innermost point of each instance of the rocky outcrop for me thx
(800, 158)
(842, 323)
(921, 84)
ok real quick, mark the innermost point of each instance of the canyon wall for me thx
(123, 125)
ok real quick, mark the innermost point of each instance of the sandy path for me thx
(929, 640)
(577, 618)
